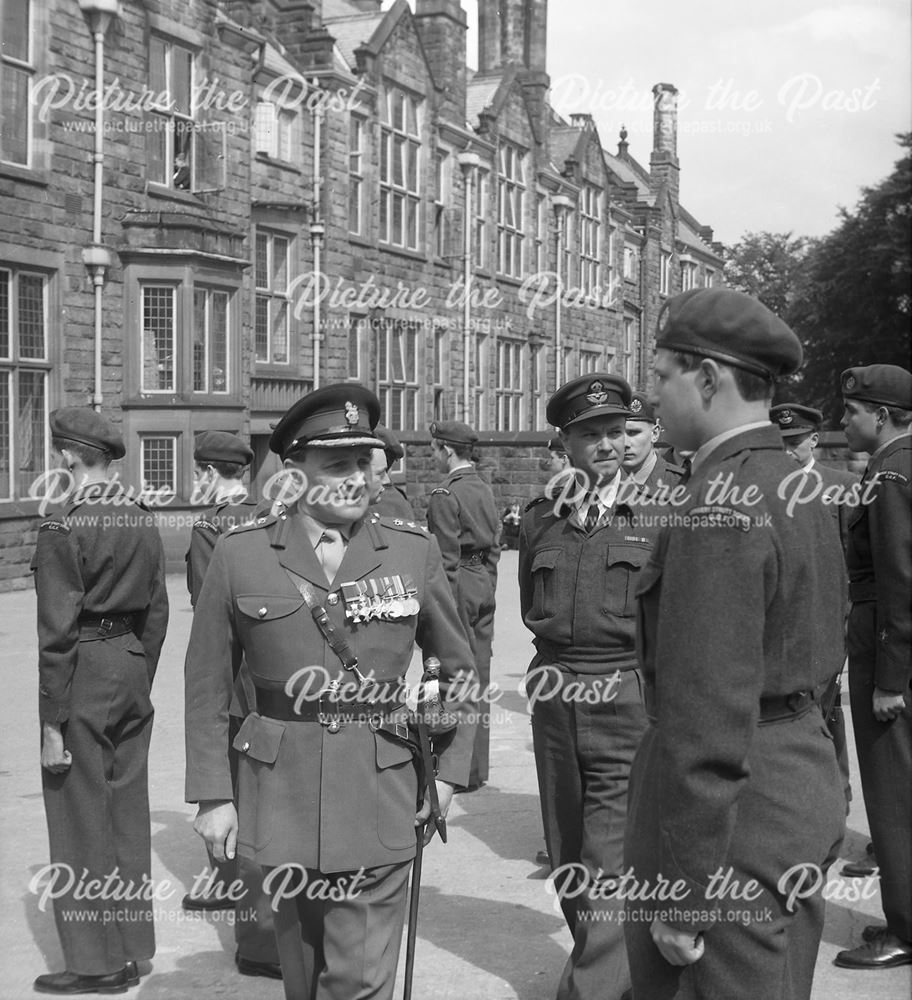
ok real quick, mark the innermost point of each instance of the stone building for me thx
(264, 196)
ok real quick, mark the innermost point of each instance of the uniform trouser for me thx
(344, 948)
(253, 925)
(98, 811)
(790, 812)
(583, 754)
(885, 767)
(475, 602)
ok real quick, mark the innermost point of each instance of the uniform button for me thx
(332, 600)
(262, 612)
(245, 748)
(334, 726)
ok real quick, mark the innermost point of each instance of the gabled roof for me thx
(480, 93)
(351, 32)
(625, 169)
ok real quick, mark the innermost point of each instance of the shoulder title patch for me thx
(54, 526)
(441, 491)
(714, 516)
(892, 476)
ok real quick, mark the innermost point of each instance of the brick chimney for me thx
(664, 168)
(442, 27)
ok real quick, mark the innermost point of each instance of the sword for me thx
(414, 890)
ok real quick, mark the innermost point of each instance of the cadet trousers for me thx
(98, 811)
(339, 934)
(474, 596)
(790, 814)
(885, 767)
(585, 732)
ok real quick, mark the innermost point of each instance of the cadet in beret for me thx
(324, 601)
(387, 498)
(836, 489)
(220, 460)
(877, 419)
(102, 614)
(643, 465)
(580, 554)
(462, 516)
(739, 630)
(557, 459)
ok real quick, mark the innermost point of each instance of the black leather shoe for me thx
(543, 858)
(207, 903)
(873, 931)
(863, 868)
(70, 983)
(247, 967)
(886, 951)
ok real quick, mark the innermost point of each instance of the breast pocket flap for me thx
(267, 607)
(630, 555)
(546, 559)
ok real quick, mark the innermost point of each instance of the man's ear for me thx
(709, 378)
(656, 432)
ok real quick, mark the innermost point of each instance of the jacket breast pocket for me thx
(258, 793)
(545, 583)
(622, 569)
(271, 633)
(397, 793)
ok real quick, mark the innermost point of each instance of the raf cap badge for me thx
(785, 418)
(597, 394)
(351, 413)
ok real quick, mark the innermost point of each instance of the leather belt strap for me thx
(773, 708)
(476, 558)
(276, 704)
(106, 627)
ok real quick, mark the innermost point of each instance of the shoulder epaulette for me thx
(399, 524)
(533, 503)
(441, 490)
(256, 522)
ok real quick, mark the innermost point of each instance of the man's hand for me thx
(887, 705)
(216, 822)
(54, 757)
(678, 947)
(444, 798)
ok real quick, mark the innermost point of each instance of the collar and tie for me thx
(330, 551)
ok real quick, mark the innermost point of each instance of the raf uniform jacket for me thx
(663, 474)
(100, 557)
(880, 561)
(333, 801)
(736, 605)
(577, 590)
(207, 530)
(394, 503)
(463, 517)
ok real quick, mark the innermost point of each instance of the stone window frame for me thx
(401, 127)
(509, 388)
(511, 224)
(273, 296)
(590, 239)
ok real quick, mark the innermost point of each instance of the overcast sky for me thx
(767, 135)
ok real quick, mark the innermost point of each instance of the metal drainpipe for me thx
(562, 205)
(317, 231)
(467, 162)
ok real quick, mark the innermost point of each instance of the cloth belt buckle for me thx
(105, 625)
(799, 700)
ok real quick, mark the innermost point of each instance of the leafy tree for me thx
(768, 266)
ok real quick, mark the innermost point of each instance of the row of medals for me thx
(387, 597)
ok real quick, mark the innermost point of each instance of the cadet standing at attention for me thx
(462, 516)
(102, 615)
(220, 460)
(877, 419)
(325, 602)
(736, 782)
(642, 464)
(580, 554)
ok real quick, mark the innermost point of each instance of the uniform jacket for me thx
(577, 590)
(333, 801)
(463, 517)
(880, 560)
(736, 603)
(394, 503)
(663, 474)
(100, 556)
(206, 531)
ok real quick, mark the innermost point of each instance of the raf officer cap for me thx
(555, 444)
(594, 395)
(335, 416)
(641, 408)
(220, 446)
(85, 426)
(888, 385)
(730, 327)
(391, 446)
(453, 432)
(794, 419)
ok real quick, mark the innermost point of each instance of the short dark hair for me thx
(900, 417)
(88, 454)
(753, 388)
(227, 470)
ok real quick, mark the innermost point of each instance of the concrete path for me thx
(489, 927)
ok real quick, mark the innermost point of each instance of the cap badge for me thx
(850, 382)
(597, 394)
(351, 413)
(636, 405)
(785, 418)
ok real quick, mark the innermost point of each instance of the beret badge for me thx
(636, 406)
(597, 395)
(850, 382)
(351, 413)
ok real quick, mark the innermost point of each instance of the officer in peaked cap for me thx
(581, 552)
(646, 470)
(877, 419)
(462, 516)
(735, 649)
(102, 615)
(327, 789)
(220, 461)
(388, 498)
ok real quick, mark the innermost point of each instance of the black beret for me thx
(334, 416)
(594, 395)
(84, 426)
(391, 446)
(888, 385)
(453, 432)
(220, 446)
(794, 419)
(555, 444)
(641, 408)
(730, 327)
